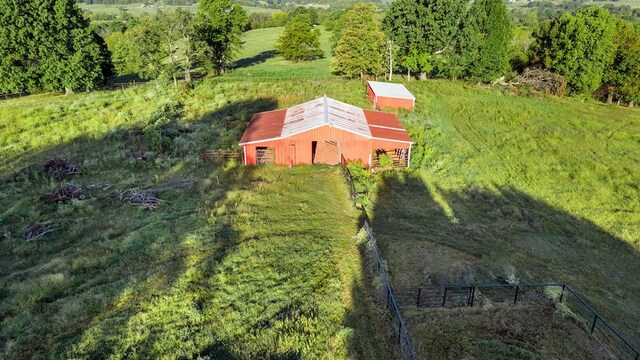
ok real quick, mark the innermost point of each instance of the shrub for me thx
(385, 160)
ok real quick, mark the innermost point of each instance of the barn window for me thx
(265, 155)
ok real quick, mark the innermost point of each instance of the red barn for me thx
(390, 95)
(323, 131)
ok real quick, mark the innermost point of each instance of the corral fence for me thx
(219, 156)
(562, 295)
(402, 335)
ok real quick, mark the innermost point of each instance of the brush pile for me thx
(64, 193)
(59, 168)
(544, 80)
(146, 199)
(38, 230)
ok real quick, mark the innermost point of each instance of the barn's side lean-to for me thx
(324, 131)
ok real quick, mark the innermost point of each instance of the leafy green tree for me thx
(579, 47)
(309, 14)
(47, 44)
(299, 41)
(622, 75)
(360, 49)
(144, 49)
(422, 29)
(219, 24)
(485, 37)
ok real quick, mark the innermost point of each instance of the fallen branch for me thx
(59, 168)
(38, 230)
(146, 199)
(65, 192)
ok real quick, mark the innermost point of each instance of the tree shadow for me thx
(76, 288)
(254, 60)
(435, 236)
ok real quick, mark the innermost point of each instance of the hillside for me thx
(234, 263)
(518, 189)
(502, 187)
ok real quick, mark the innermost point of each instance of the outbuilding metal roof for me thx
(390, 90)
(324, 111)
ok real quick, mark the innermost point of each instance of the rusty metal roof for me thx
(324, 111)
(386, 126)
(264, 126)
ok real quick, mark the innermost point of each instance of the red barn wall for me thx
(372, 96)
(390, 102)
(297, 149)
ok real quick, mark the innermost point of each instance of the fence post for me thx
(444, 298)
(562, 292)
(473, 295)
(593, 326)
(515, 298)
(418, 300)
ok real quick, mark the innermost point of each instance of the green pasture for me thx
(503, 188)
(258, 58)
(238, 263)
(509, 188)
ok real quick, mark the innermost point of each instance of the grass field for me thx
(258, 57)
(503, 188)
(132, 9)
(245, 263)
(507, 188)
(136, 10)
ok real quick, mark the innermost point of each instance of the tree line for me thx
(591, 50)
(50, 45)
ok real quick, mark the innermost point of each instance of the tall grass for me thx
(248, 263)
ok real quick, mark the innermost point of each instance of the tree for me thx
(484, 41)
(360, 49)
(300, 41)
(143, 49)
(219, 24)
(622, 75)
(47, 44)
(579, 47)
(422, 28)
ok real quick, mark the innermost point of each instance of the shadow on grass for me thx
(84, 289)
(223, 269)
(254, 60)
(435, 236)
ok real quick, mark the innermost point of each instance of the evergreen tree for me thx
(47, 44)
(484, 41)
(360, 49)
(219, 26)
(579, 47)
(300, 41)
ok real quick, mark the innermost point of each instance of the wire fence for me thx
(386, 295)
(563, 296)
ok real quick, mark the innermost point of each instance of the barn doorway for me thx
(325, 152)
(265, 155)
